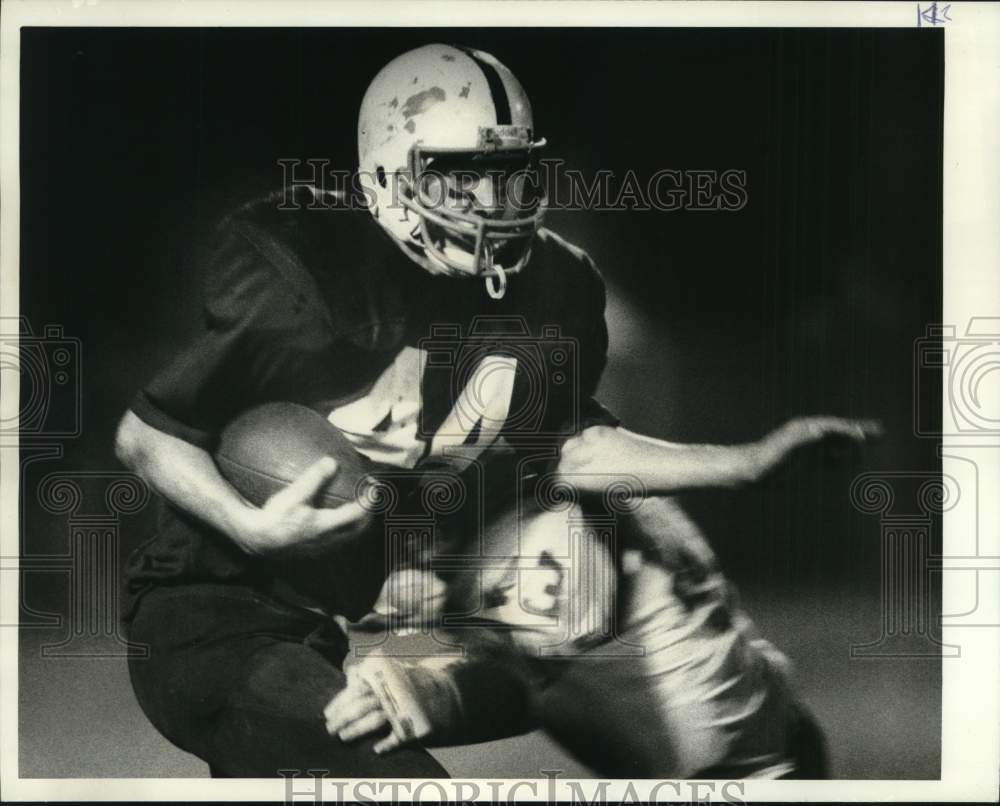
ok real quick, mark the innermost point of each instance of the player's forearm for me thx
(186, 476)
(598, 456)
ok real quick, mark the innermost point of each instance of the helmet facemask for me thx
(443, 190)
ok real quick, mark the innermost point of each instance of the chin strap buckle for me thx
(496, 284)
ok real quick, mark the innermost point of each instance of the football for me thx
(267, 447)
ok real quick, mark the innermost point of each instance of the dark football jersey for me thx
(321, 307)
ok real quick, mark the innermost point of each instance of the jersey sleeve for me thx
(594, 349)
(566, 298)
(573, 406)
(260, 311)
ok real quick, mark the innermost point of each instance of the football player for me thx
(379, 319)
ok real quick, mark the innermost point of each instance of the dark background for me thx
(723, 324)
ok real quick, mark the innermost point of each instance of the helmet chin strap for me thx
(496, 284)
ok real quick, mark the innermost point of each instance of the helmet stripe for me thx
(497, 89)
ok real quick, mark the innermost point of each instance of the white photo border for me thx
(971, 238)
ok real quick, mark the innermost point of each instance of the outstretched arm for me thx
(599, 455)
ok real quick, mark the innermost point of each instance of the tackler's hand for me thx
(378, 699)
(417, 699)
(355, 712)
(773, 449)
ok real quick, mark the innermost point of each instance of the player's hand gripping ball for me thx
(300, 470)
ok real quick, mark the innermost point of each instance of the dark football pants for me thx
(240, 680)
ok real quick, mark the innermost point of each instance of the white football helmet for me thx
(441, 112)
